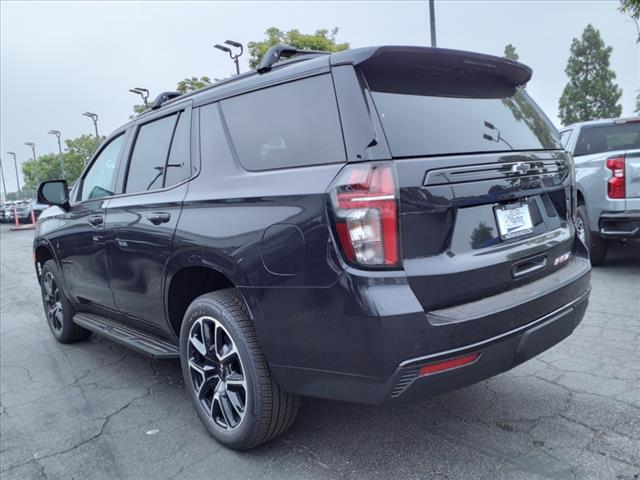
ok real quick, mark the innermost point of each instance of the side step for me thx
(128, 336)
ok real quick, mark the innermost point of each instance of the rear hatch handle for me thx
(528, 266)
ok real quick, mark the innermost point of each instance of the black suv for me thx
(364, 226)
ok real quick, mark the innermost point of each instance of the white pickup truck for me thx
(607, 160)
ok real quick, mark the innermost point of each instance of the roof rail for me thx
(163, 98)
(278, 52)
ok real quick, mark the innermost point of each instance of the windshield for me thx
(608, 138)
(431, 114)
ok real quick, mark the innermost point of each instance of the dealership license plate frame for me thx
(513, 220)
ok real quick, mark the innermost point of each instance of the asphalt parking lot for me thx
(96, 410)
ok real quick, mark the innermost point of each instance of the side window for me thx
(179, 165)
(100, 178)
(564, 137)
(149, 156)
(287, 125)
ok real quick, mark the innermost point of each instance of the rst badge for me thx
(562, 258)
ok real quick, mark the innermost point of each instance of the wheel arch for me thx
(193, 274)
(42, 252)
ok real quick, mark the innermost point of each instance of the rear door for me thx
(141, 221)
(485, 186)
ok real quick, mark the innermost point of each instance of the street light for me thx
(432, 19)
(15, 164)
(57, 134)
(143, 92)
(4, 185)
(228, 50)
(35, 162)
(94, 117)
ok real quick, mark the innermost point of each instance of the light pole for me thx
(143, 92)
(15, 164)
(4, 185)
(57, 134)
(94, 117)
(228, 50)
(432, 17)
(35, 161)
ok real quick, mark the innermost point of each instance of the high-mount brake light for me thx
(615, 185)
(365, 207)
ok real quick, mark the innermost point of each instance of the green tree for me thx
(632, 8)
(510, 52)
(137, 110)
(637, 109)
(323, 39)
(192, 84)
(591, 92)
(47, 166)
(184, 86)
(79, 151)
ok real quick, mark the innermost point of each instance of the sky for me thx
(60, 59)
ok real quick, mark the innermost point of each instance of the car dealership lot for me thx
(97, 410)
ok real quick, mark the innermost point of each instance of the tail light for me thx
(615, 185)
(365, 209)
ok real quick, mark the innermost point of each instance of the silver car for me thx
(607, 159)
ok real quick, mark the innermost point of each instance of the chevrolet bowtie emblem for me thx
(520, 168)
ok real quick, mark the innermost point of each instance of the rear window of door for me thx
(288, 125)
(160, 155)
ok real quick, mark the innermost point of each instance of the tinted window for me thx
(287, 125)
(178, 165)
(429, 114)
(564, 137)
(149, 156)
(100, 178)
(607, 138)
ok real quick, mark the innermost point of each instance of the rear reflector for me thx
(615, 185)
(448, 364)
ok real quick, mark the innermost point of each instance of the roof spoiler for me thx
(439, 59)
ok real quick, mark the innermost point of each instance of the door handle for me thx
(95, 220)
(159, 217)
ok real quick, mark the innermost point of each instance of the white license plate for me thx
(514, 220)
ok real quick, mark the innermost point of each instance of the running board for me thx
(128, 336)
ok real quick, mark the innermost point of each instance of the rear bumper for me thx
(497, 355)
(365, 339)
(619, 224)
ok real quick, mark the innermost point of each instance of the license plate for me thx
(514, 220)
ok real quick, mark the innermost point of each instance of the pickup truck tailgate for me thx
(632, 174)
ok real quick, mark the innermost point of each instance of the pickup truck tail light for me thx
(615, 184)
(364, 201)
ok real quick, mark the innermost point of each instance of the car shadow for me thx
(623, 254)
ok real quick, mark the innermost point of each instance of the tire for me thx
(239, 403)
(597, 245)
(58, 309)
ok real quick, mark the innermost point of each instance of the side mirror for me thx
(54, 192)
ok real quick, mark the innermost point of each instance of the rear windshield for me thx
(607, 138)
(429, 114)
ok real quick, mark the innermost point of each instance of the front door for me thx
(80, 239)
(140, 223)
